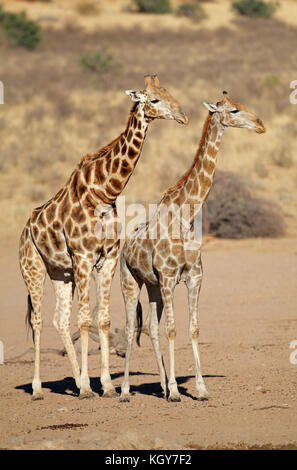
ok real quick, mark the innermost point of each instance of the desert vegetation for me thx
(255, 8)
(66, 98)
(153, 6)
(18, 30)
(193, 10)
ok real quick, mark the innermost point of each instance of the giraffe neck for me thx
(107, 172)
(194, 186)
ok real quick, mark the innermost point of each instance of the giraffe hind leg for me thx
(131, 291)
(64, 293)
(193, 285)
(33, 271)
(154, 317)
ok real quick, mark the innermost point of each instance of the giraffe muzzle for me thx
(260, 127)
(181, 118)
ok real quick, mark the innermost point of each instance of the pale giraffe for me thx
(59, 238)
(162, 262)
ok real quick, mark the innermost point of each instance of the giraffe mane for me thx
(182, 180)
(104, 150)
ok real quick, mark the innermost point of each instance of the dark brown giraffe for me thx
(161, 262)
(60, 237)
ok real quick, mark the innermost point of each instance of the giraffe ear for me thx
(136, 96)
(210, 106)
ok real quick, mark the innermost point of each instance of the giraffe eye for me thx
(234, 111)
(155, 101)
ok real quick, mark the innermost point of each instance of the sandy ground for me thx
(247, 321)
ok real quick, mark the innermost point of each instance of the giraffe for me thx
(162, 262)
(60, 239)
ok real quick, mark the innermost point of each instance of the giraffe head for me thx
(157, 102)
(234, 114)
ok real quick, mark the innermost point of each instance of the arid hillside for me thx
(66, 98)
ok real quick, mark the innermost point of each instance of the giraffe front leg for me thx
(82, 274)
(194, 285)
(167, 285)
(104, 279)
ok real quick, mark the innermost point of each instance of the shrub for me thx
(87, 8)
(19, 31)
(255, 8)
(231, 211)
(193, 11)
(2, 14)
(99, 62)
(153, 6)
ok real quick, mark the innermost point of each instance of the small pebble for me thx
(62, 410)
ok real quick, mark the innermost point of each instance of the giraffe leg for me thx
(155, 313)
(167, 285)
(82, 274)
(131, 291)
(104, 278)
(64, 293)
(34, 271)
(194, 285)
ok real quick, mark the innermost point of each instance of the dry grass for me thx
(55, 111)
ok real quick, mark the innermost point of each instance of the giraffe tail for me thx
(139, 322)
(29, 315)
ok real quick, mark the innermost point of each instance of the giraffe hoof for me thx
(174, 398)
(37, 396)
(86, 395)
(202, 398)
(203, 394)
(124, 399)
(110, 394)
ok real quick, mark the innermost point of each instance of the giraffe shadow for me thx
(154, 388)
(68, 387)
(65, 386)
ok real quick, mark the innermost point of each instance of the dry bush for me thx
(255, 8)
(193, 11)
(153, 6)
(232, 211)
(87, 8)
